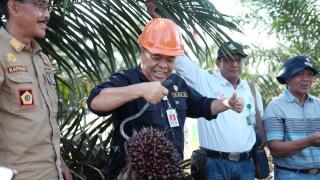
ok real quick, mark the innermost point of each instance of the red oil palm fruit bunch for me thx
(151, 156)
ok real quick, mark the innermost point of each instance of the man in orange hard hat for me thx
(228, 140)
(125, 93)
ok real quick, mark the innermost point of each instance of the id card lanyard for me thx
(171, 114)
(251, 120)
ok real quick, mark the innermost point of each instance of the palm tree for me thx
(89, 39)
(296, 22)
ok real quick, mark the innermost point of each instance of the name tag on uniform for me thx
(179, 94)
(14, 69)
(172, 117)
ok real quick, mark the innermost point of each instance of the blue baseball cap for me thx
(293, 66)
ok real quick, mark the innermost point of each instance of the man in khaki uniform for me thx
(29, 133)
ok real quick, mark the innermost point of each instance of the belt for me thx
(228, 156)
(311, 171)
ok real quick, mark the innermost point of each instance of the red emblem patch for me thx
(26, 97)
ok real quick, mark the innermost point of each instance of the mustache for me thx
(43, 21)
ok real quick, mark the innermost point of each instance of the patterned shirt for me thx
(286, 120)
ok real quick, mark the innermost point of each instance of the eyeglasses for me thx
(43, 6)
(159, 57)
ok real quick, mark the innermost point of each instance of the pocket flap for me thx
(21, 78)
(181, 104)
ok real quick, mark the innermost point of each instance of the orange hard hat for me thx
(162, 36)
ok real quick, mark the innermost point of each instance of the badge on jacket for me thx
(45, 62)
(50, 78)
(172, 117)
(26, 97)
(251, 119)
(10, 57)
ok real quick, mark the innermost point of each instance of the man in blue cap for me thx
(292, 123)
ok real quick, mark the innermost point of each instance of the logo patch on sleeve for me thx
(26, 97)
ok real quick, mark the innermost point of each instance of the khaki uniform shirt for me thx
(29, 133)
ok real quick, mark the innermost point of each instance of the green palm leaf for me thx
(87, 40)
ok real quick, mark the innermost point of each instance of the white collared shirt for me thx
(230, 132)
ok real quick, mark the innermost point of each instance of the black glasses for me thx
(43, 6)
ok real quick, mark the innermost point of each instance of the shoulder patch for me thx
(17, 45)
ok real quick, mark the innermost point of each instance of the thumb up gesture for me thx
(236, 103)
